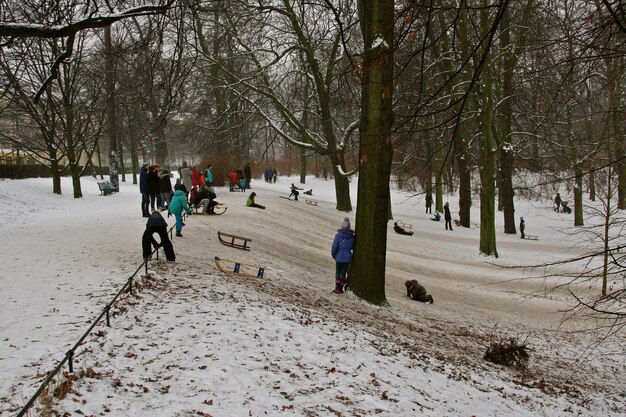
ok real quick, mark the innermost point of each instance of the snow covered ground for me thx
(195, 341)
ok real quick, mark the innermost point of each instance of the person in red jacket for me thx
(233, 180)
(196, 177)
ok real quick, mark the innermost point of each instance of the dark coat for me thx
(156, 220)
(447, 214)
(143, 180)
(153, 183)
(165, 184)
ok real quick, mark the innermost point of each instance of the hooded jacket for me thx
(143, 180)
(343, 245)
(178, 203)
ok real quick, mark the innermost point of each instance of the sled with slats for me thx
(234, 241)
(240, 269)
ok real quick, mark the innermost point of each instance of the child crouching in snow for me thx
(342, 254)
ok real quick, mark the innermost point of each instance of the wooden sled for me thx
(217, 210)
(405, 225)
(238, 268)
(531, 237)
(234, 241)
(311, 202)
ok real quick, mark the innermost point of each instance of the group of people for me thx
(240, 178)
(155, 187)
(177, 204)
(270, 175)
(447, 215)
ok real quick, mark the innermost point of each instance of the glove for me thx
(189, 213)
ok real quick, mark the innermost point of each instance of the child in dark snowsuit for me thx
(401, 230)
(522, 227)
(447, 216)
(342, 254)
(157, 224)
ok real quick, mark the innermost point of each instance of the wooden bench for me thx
(234, 241)
(105, 188)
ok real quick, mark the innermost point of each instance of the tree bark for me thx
(109, 63)
(506, 152)
(487, 179)
(375, 153)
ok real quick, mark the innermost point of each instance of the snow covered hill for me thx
(195, 341)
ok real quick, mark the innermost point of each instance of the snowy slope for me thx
(194, 340)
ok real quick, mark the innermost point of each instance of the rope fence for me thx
(68, 358)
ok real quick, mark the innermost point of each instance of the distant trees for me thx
(65, 123)
(285, 64)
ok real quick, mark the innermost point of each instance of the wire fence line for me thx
(104, 314)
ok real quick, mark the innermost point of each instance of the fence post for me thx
(107, 311)
(130, 285)
(70, 355)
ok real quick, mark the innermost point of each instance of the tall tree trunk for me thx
(56, 175)
(487, 179)
(462, 154)
(578, 196)
(438, 168)
(465, 184)
(614, 122)
(375, 153)
(303, 166)
(506, 193)
(342, 185)
(109, 63)
(592, 185)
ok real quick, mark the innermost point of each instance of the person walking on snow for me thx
(557, 202)
(185, 175)
(341, 251)
(447, 216)
(247, 173)
(176, 207)
(143, 189)
(522, 227)
(429, 203)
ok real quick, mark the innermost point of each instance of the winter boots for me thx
(179, 234)
(339, 289)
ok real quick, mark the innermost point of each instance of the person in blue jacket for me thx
(208, 177)
(343, 244)
(176, 207)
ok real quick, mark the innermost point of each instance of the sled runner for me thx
(311, 202)
(238, 268)
(234, 241)
(286, 198)
(217, 210)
